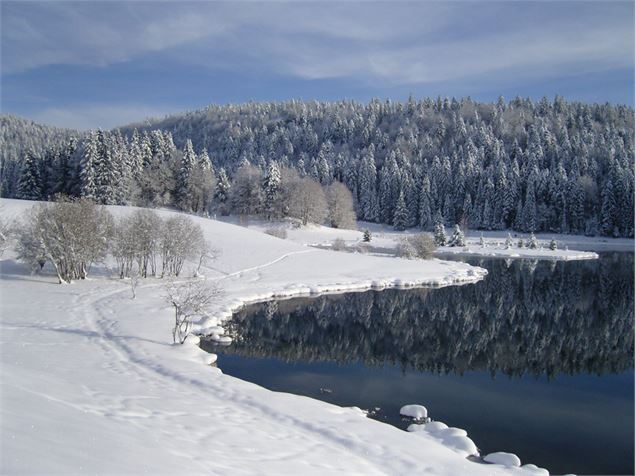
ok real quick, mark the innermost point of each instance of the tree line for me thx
(529, 166)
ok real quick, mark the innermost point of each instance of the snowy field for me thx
(92, 384)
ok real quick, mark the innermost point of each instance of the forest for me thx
(549, 165)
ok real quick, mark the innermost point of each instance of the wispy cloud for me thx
(399, 42)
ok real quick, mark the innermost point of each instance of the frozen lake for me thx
(537, 359)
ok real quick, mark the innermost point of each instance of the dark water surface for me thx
(536, 360)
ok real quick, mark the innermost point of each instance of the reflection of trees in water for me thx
(543, 318)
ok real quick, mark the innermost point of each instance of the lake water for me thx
(537, 359)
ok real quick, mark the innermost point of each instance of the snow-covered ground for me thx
(92, 384)
(570, 247)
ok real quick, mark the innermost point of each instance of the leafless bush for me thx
(420, 246)
(188, 299)
(338, 244)
(277, 232)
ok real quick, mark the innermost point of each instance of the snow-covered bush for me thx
(188, 299)
(521, 243)
(481, 241)
(553, 246)
(278, 232)
(367, 236)
(533, 242)
(420, 246)
(508, 241)
(457, 238)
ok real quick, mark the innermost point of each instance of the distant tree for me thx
(457, 238)
(440, 237)
(309, 203)
(533, 242)
(367, 236)
(400, 218)
(29, 186)
(340, 206)
(508, 241)
(246, 192)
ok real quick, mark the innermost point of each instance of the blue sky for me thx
(102, 64)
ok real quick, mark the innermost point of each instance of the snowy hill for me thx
(92, 383)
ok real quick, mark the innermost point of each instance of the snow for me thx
(418, 412)
(385, 239)
(506, 459)
(92, 383)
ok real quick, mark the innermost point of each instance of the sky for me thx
(104, 64)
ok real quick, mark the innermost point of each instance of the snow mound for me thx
(506, 459)
(418, 412)
(533, 469)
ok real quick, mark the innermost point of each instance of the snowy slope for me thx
(91, 383)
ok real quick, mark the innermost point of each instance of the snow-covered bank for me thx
(495, 250)
(92, 384)
(385, 239)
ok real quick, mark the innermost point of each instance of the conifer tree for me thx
(29, 186)
(401, 216)
(440, 237)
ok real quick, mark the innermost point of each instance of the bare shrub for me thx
(188, 299)
(420, 246)
(338, 244)
(278, 232)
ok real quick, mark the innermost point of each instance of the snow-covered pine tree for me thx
(440, 237)
(221, 193)
(29, 187)
(185, 174)
(553, 246)
(401, 216)
(367, 236)
(271, 191)
(88, 187)
(457, 238)
(609, 209)
(533, 242)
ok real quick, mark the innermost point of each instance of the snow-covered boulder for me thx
(500, 457)
(417, 412)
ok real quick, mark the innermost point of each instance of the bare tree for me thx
(188, 299)
(307, 201)
(6, 232)
(340, 204)
(72, 235)
(181, 239)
